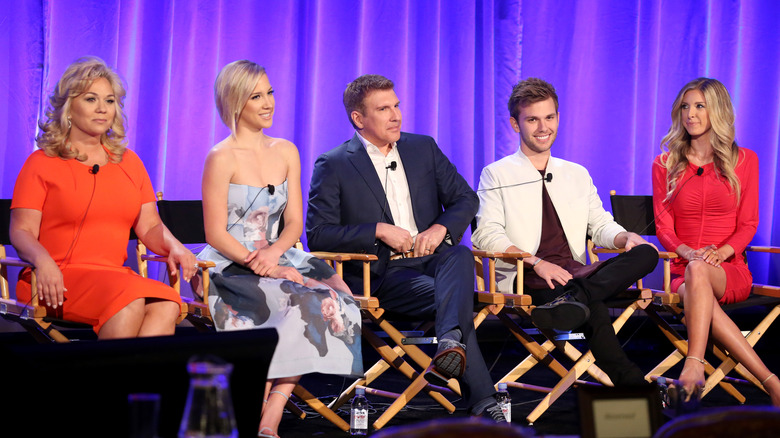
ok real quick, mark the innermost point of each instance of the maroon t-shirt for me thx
(554, 248)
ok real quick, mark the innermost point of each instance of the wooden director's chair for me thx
(184, 218)
(185, 221)
(635, 213)
(518, 307)
(35, 318)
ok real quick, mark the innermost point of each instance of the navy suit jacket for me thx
(346, 200)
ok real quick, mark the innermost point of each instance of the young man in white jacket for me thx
(533, 202)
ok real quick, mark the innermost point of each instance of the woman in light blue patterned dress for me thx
(251, 186)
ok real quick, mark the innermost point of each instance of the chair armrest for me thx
(601, 250)
(344, 256)
(367, 302)
(510, 256)
(769, 249)
(337, 259)
(33, 309)
(661, 254)
(507, 256)
(202, 264)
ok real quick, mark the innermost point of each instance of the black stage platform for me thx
(643, 342)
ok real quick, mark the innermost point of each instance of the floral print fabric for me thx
(318, 322)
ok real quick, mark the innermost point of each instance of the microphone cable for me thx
(64, 262)
(699, 172)
(271, 189)
(548, 178)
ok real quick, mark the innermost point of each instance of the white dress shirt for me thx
(394, 182)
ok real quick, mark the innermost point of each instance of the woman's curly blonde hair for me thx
(77, 78)
(677, 142)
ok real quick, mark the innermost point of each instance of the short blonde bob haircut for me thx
(677, 142)
(77, 78)
(234, 84)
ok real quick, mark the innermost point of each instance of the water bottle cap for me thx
(208, 365)
(360, 391)
(502, 386)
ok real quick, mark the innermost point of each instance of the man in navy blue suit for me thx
(396, 195)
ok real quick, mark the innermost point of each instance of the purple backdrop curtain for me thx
(617, 66)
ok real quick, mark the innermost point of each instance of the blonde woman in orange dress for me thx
(74, 203)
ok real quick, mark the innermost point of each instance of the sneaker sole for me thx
(564, 316)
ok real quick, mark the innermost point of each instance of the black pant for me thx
(614, 275)
(440, 287)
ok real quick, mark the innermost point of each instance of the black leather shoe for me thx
(562, 313)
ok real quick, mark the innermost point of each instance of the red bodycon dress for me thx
(703, 212)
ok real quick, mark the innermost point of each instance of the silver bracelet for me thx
(538, 259)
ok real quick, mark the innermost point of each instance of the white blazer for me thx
(510, 209)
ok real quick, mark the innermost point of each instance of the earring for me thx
(68, 122)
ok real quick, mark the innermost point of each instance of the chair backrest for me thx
(634, 213)
(5, 220)
(184, 219)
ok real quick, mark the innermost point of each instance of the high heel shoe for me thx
(261, 434)
(675, 396)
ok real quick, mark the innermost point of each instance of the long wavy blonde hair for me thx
(677, 142)
(77, 78)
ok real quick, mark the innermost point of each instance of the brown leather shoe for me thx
(447, 364)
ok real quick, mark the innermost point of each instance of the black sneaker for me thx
(494, 413)
(562, 313)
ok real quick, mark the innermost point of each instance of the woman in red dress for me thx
(74, 203)
(705, 195)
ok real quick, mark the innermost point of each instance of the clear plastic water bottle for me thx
(358, 414)
(504, 401)
(209, 408)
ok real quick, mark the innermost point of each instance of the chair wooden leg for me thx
(681, 346)
(369, 376)
(397, 362)
(563, 385)
(418, 384)
(43, 332)
(295, 410)
(730, 364)
(665, 365)
(538, 353)
(320, 407)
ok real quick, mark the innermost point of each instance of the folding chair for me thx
(520, 305)
(635, 213)
(184, 218)
(185, 221)
(405, 345)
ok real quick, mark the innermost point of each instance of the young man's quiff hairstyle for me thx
(528, 92)
(357, 90)
(234, 84)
